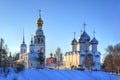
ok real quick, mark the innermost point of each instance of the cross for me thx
(39, 13)
(84, 25)
(94, 33)
(74, 34)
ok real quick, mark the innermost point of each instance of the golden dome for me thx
(39, 22)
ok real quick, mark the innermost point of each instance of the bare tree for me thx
(59, 57)
(112, 59)
(41, 59)
(3, 55)
(88, 62)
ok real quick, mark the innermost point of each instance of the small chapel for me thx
(80, 48)
(36, 46)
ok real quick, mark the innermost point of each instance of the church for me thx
(37, 45)
(80, 48)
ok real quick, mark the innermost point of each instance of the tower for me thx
(94, 43)
(23, 47)
(39, 38)
(84, 41)
(31, 47)
(74, 44)
(84, 45)
(97, 54)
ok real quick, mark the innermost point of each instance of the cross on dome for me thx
(94, 33)
(74, 34)
(84, 25)
(39, 21)
(39, 13)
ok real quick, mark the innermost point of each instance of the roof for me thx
(74, 42)
(84, 37)
(23, 45)
(94, 41)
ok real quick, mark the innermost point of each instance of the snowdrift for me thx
(47, 74)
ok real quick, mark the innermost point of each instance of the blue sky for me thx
(61, 18)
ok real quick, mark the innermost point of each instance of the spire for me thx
(23, 36)
(10, 55)
(31, 38)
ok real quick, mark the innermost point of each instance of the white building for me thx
(37, 45)
(79, 50)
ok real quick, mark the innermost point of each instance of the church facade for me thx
(37, 45)
(80, 48)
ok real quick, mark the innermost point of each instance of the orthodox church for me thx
(37, 45)
(80, 49)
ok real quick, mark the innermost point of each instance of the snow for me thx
(48, 74)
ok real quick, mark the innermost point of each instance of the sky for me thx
(61, 18)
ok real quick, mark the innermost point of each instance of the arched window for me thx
(35, 40)
(24, 50)
(41, 40)
(38, 40)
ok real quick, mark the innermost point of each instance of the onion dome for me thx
(82, 40)
(94, 41)
(32, 44)
(74, 42)
(23, 45)
(39, 22)
(84, 37)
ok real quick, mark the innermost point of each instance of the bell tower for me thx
(39, 38)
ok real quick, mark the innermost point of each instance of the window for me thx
(97, 56)
(24, 51)
(38, 40)
(35, 40)
(82, 55)
(41, 40)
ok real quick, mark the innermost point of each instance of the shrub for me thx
(19, 68)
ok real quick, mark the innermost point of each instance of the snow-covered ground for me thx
(47, 74)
